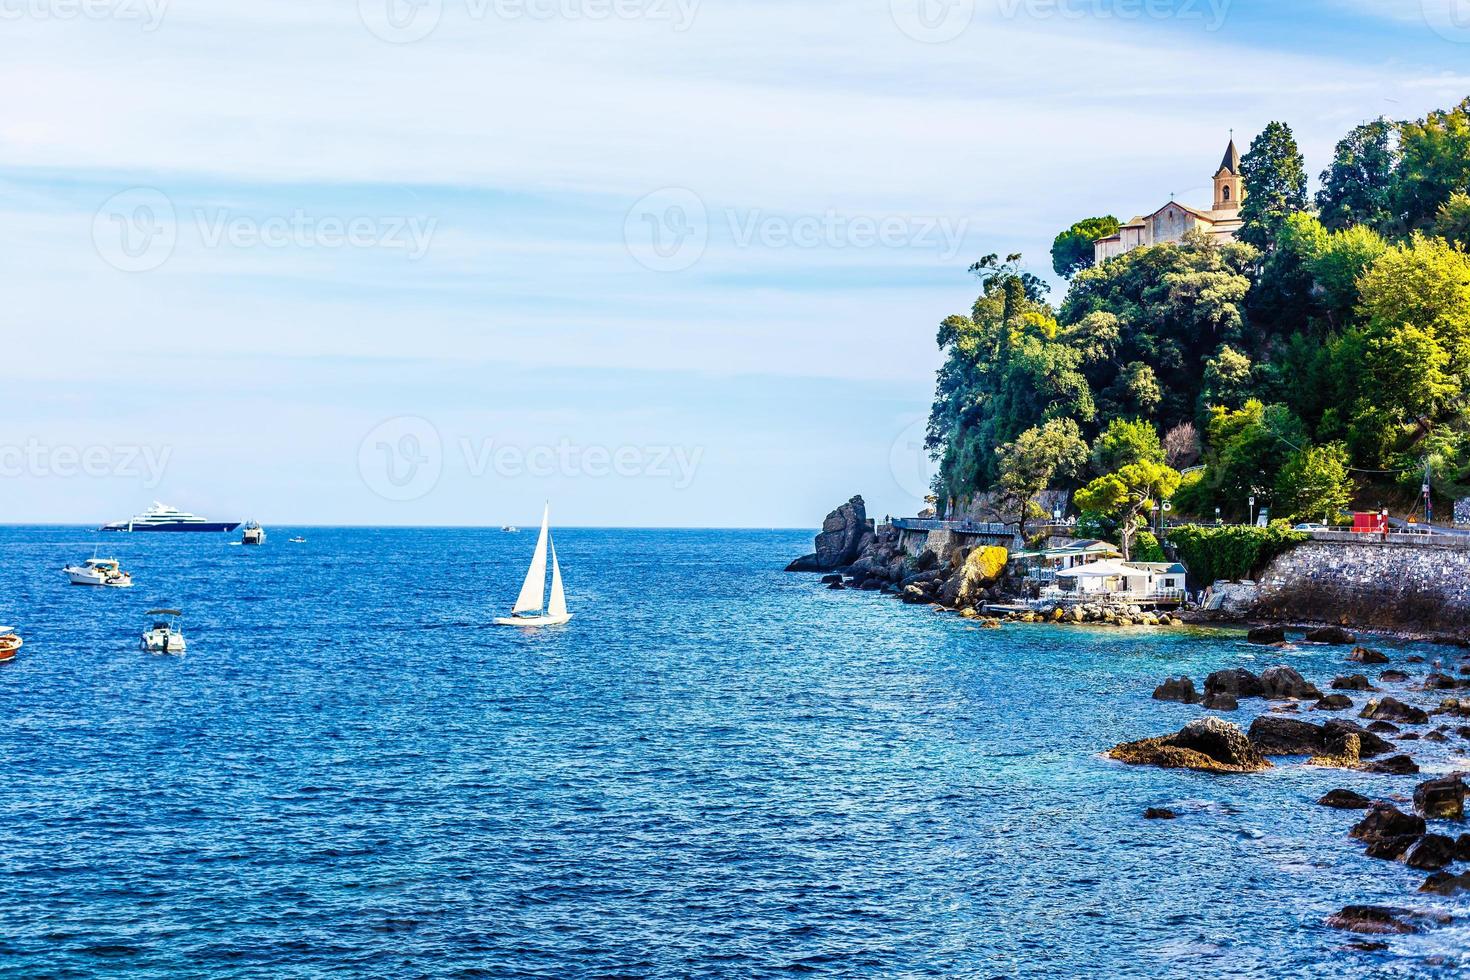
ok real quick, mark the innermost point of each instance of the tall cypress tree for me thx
(1275, 176)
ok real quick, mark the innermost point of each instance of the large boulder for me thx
(1334, 635)
(1206, 744)
(1385, 822)
(1394, 765)
(1446, 883)
(1275, 735)
(1266, 635)
(1237, 682)
(1431, 852)
(1392, 709)
(841, 539)
(1333, 702)
(982, 568)
(1181, 690)
(1442, 798)
(1369, 743)
(1363, 655)
(1352, 682)
(1285, 684)
(1378, 920)
(1345, 799)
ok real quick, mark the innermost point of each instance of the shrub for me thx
(1232, 552)
(1146, 547)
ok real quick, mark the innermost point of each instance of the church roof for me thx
(1231, 162)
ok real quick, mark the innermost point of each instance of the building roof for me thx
(1231, 162)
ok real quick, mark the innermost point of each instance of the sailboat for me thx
(532, 607)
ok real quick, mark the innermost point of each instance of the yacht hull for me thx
(208, 526)
(533, 620)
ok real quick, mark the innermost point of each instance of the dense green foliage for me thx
(1073, 249)
(1231, 552)
(1319, 362)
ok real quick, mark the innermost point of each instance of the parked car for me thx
(1311, 527)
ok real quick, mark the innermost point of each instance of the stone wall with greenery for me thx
(1231, 552)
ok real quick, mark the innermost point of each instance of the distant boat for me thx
(511, 529)
(162, 517)
(99, 571)
(165, 636)
(532, 607)
(254, 534)
(10, 644)
(298, 540)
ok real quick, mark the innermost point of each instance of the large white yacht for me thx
(162, 517)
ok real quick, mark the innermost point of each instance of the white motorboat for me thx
(253, 534)
(532, 607)
(99, 571)
(165, 636)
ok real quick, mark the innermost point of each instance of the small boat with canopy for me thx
(532, 606)
(164, 636)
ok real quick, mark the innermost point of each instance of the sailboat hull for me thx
(533, 620)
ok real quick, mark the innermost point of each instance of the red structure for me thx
(1372, 522)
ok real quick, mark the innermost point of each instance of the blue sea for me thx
(715, 770)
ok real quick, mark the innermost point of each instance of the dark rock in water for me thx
(1363, 655)
(1438, 735)
(1206, 744)
(1353, 682)
(1266, 635)
(1370, 744)
(1431, 852)
(1379, 920)
(1392, 709)
(1238, 682)
(1159, 813)
(1442, 798)
(1393, 677)
(837, 587)
(1463, 731)
(1395, 765)
(1288, 708)
(914, 596)
(1181, 690)
(1462, 847)
(1385, 821)
(1285, 684)
(1440, 682)
(872, 585)
(1390, 848)
(831, 579)
(1220, 702)
(1445, 883)
(1410, 737)
(841, 539)
(1454, 706)
(1273, 735)
(1384, 728)
(927, 561)
(1332, 635)
(1345, 799)
(1413, 659)
(1334, 702)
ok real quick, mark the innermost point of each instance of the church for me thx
(1170, 222)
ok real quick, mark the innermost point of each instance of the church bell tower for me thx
(1229, 185)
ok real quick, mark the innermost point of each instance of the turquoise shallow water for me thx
(716, 769)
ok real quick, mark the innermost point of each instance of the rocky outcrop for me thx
(1206, 744)
(1345, 799)
(1239, 683)
(1266, 635)
(1430, 852)
(1363, 655)
(1441, 799)
(1285, 684)
(1392, 709)
(845, 533)
(1180, 690)
(1333, 702)
(1379, 920)
(1275, 735)
(1333, 635)
(1353, 682)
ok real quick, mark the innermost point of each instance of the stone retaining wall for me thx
(1384, 585)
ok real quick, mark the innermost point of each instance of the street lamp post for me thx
(1252, 510)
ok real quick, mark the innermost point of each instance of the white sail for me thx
(533, 592)
(558, 604)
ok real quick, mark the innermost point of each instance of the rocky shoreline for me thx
(1369, 725)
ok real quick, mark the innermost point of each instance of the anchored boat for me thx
(532, 607)
(10, 644)
(165, 636)
(254, 533)
(99, 571)
(162, 517)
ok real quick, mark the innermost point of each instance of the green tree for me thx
(1227, 379)
(1123, 442)
(1452, 223)
(1314, 484)
(1424, 283)
(1275, 178)
(1434, 164)
(1073, 250)
(1039, 457)
(1358, 188)
(1127, 495)
(1247, 448)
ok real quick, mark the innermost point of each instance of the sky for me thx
(661, 262)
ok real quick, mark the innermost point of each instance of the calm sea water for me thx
(715, 770)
